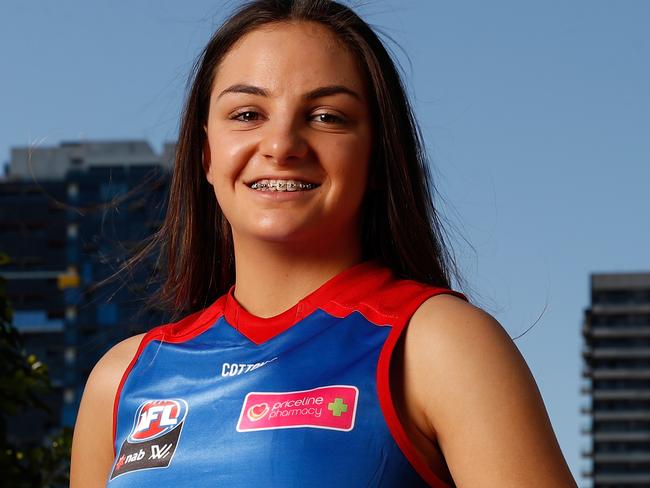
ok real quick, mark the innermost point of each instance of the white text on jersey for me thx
(234, 369)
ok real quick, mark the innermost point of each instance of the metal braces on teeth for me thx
(283, 186)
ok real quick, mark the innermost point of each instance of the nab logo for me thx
(156, 431)
(156, 418)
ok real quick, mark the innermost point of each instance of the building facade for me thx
(617, 370)
(69, 217)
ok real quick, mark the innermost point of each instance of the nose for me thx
(282, 141)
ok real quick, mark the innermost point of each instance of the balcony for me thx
(622, 457)
(622, 415)
(615, 331)
(621, 394)
(622, 308)
(622, 436)
(623, 479)
(616, 352)
(615, 373)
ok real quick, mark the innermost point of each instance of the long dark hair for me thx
(400, 226)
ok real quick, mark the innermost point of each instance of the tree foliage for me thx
(24, 381)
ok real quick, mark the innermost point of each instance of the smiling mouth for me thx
(282, 185)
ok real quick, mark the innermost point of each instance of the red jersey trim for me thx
(181, 331)
(361, 277)
(386, 399)
(409, 299)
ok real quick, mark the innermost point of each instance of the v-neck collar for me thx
(262, 329)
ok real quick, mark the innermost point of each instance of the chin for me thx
(306, 236)
(308, 232)
(287, 236)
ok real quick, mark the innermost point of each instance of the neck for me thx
(271, 277)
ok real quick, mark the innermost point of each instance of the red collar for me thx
(259, 329)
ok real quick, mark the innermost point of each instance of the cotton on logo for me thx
(155, 418)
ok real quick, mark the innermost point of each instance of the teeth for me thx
(282, 185)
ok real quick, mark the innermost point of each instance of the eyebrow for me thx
(323, 91)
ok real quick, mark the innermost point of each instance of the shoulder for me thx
(447, 344)
(455, 329)
(477, 398)
(105, 377)
(119, 355)
(92, 446)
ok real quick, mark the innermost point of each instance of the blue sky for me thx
(536, 116)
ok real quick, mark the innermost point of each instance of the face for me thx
(288, 110)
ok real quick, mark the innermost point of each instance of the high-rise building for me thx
(617, 370)
(69, 216)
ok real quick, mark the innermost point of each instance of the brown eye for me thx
(328, 118)
(247, 116)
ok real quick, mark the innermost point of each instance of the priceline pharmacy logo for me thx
(327, 407)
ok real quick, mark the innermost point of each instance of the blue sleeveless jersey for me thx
(223, 398)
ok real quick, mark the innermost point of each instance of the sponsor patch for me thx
(154, 437)
(327, 407)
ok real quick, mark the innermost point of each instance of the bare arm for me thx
(476, 396)
(92, 444)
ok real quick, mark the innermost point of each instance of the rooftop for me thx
(53, 162)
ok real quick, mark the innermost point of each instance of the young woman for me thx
(323, 345)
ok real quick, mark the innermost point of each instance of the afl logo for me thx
(155, 418)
